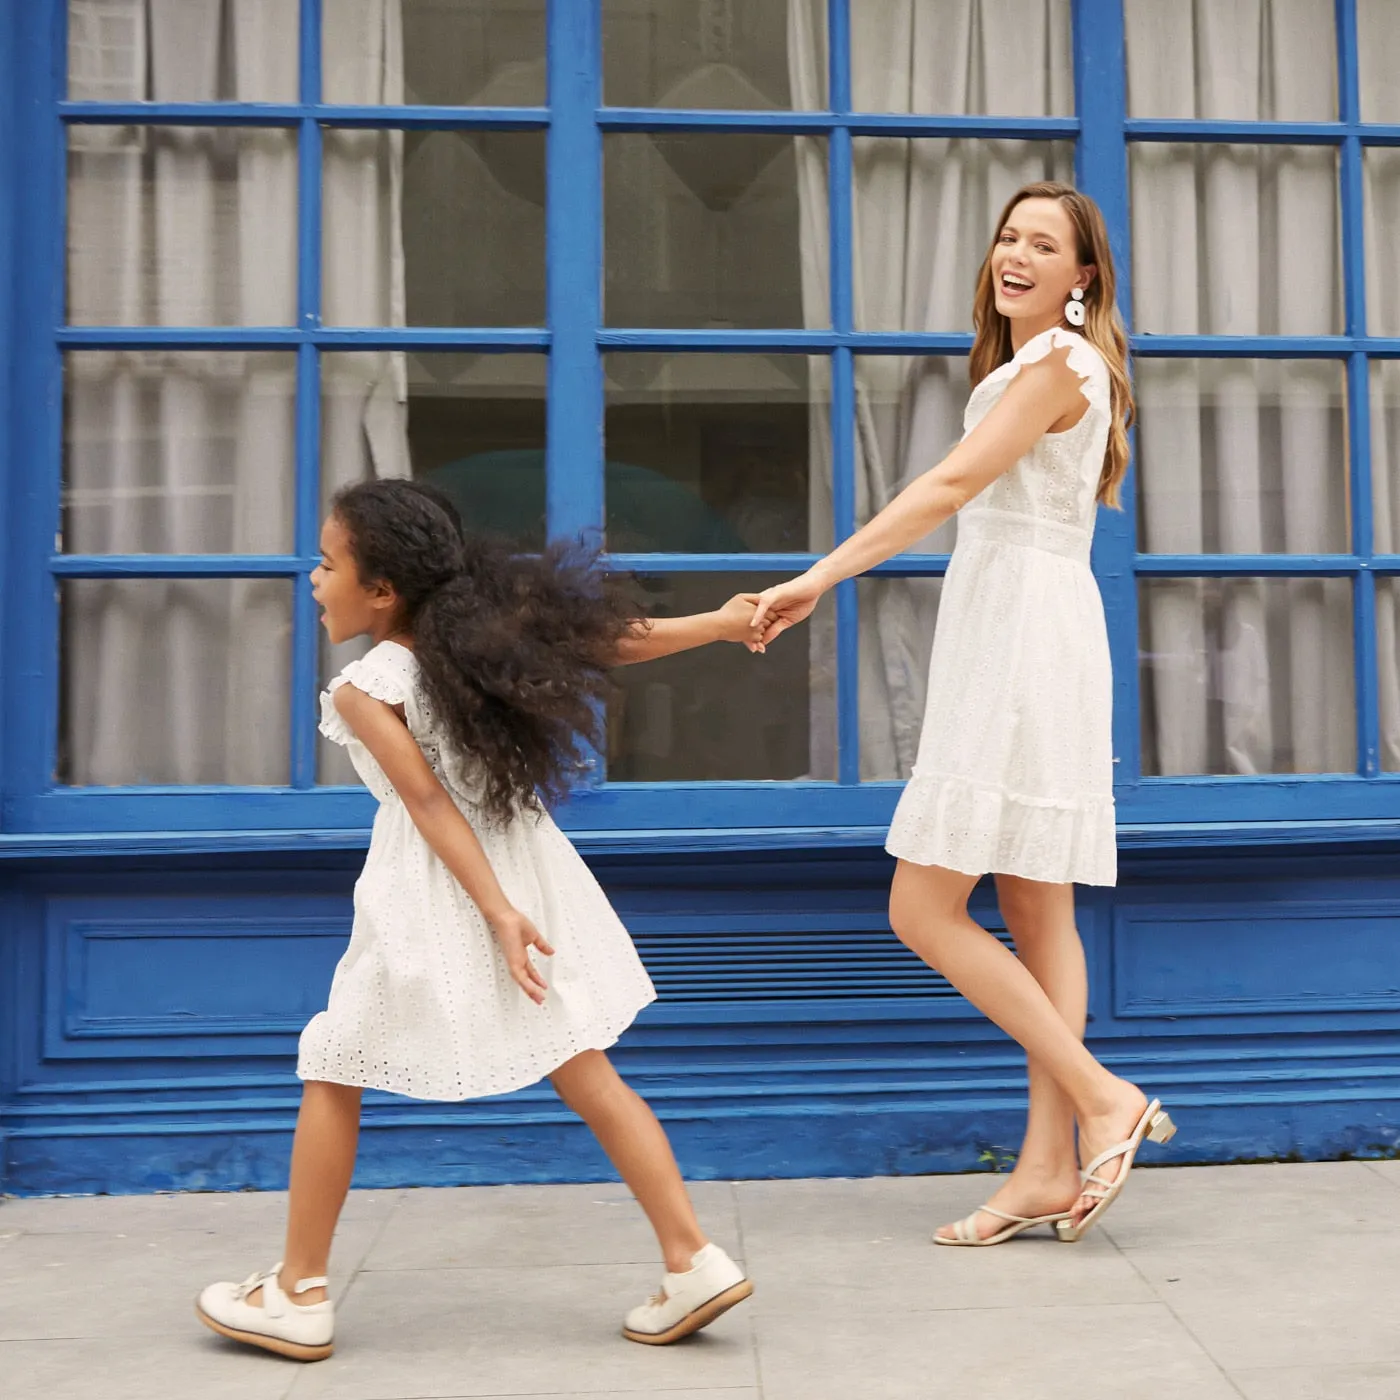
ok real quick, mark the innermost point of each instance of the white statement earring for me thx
(1074, 308)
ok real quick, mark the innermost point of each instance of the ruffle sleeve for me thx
(385, 672)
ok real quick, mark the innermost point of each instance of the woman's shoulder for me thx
(1084, 356)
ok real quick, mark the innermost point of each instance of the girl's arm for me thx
(1042, 393)
(380, 728)
(665, 636)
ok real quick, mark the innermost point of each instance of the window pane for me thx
(132, 51)
(1235, 240)
(897, 621)
(745, 55)
(1242, 457)
(175, 681)
(455, 53)
(717, 454)
(1378, 52)
(714, 230)
(181, 226)
(1247, 676)
(473, 426)
(1388, 651)
(925, 211)
(956, 57)
(1385, 455)
(722, 713)
(468, 234)
(1273, 60)
(1382, 167)
(178, 452)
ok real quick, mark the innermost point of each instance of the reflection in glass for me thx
(703, 229)
(714, 454)
(925, 211)
(960, 57)
(1275, 60)
(181, 226)
(696, 54)
(721, 713)
(178, 452)
(454, 53)
(1382, 179)
(1220, 233)
(1242, 456)
(174, 681)
(897, 621)
(1244, 676)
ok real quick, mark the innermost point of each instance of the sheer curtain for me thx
(1239, 456)
(924, 211)
(192, 452)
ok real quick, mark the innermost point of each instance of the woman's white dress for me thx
(422, 1003)
(1015, 766)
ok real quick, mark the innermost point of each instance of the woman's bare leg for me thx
(637, 1146)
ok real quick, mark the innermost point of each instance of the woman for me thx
(1015, 767)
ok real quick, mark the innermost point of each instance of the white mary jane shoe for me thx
(689, 1301)
(280, 1325)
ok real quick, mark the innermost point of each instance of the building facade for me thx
(695, 276)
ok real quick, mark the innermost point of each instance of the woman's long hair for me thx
(514, 650)
(1103, 327)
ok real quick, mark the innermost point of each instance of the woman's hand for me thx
(784, 606)
(517, 935)
(734, 621)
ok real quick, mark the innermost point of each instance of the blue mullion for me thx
(900, 566)
(1205, 131)
(484, 339)
(181, 565)
(1101, 161)
(780, 341)
(1249, 565)
(253, 114)
(420, 117)
(841, 277)
(819, 123)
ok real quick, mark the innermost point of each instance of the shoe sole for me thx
(295, 1350)
(694, 1321)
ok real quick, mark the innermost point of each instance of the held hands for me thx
(784, 606)
(734, 621)
(517, 935)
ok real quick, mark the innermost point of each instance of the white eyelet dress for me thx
(422, 1003)
(1015, 765)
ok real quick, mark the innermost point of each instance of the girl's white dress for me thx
(422, 1003)
(1015, 765)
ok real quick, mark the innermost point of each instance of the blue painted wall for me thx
(150, 1009)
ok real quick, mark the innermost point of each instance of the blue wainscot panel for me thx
(149, 1012)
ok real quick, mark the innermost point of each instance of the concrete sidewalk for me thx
(1267, 1282)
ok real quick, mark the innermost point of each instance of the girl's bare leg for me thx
(928, 910)
(637, 1146)
(1046, 1175)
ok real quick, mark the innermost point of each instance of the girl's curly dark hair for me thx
(514, 650)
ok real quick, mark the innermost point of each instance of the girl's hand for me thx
(784, 606)
(734, 621)
(517, 935)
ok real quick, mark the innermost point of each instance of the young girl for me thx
(1015, 766)
(484, 956)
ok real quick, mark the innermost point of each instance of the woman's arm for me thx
(448, 833)
(1042, 393)
(665, 636)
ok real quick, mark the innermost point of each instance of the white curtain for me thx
(924, 212)
(1243, 676)
(193, 452)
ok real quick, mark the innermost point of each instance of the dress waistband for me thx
(1004, 527)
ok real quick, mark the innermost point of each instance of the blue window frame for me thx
(574, 339)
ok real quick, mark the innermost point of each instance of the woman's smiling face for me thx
(1035, 263)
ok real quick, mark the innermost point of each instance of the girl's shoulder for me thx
(387, 671)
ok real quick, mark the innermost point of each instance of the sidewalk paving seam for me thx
(750, 1317)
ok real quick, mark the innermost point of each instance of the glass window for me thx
(1242, 456)
(178, 452)
(1388, 650)
(1244, 676)
(1378, 55)
(714, 54)
(1235, 240)
(174, 681)
(1006, 58)
(897, 620)
(1271, 60)
(1385, 455)
(182, 226)
(924, 212)
(723, 713)
(1382, 171)
(715, 454)
(708, 229)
